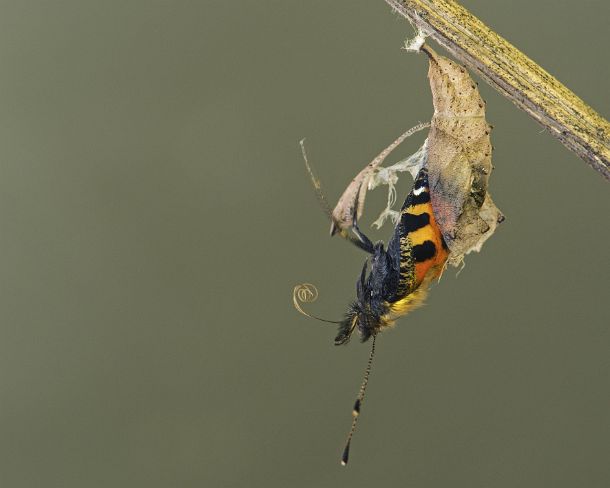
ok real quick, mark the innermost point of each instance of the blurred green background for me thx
(155, 214)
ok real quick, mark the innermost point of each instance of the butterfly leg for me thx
(363, 241)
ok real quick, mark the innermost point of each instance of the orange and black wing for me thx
(417, 246)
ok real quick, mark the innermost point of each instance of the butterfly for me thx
(393, 281)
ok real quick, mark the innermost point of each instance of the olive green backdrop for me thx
(155, 214)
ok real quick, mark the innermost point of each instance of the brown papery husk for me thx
(351, 202)
(459, 159)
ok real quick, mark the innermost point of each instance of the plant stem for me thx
(514, 75)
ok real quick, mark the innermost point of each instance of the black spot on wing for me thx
(423, 197)
(420, 184)
(422, 179)
(412, 222)
(424, 251)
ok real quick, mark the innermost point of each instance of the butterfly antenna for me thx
(358, 404)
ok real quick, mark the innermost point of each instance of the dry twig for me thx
(514, 75)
